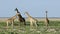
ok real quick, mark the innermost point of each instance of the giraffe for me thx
(46, 19)
(31, 20)
(11, 20)
(20, 18)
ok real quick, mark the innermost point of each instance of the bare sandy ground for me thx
(39, 19)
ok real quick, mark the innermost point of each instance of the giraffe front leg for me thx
(31, 24)
(47, 25)
(12, 24)
(35, 24)
(7, 23)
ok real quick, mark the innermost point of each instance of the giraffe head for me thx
(46, 14)
(17, 10)
(26, 13)
(46, 11)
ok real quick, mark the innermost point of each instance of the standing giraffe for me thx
(20, 18)
(11, 20)
(46, 19)
(31, 19)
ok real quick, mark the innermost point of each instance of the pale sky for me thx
(36, 8)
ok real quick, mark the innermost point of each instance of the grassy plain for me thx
(19, 28)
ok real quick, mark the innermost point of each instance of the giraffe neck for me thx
(19, 15)
(46, 15)
(17, 10)
(28, 15)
